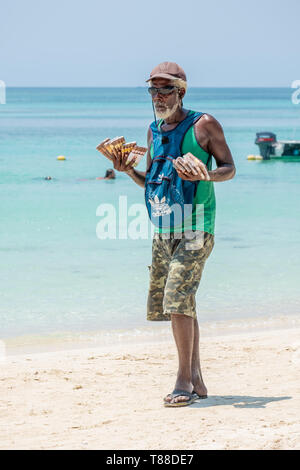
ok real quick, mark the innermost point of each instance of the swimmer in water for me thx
(48, 178)
(109, 175)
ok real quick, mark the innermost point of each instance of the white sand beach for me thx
(110, 397)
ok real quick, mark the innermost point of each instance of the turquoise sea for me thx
(57, 276)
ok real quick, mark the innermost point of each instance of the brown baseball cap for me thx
(168, 70)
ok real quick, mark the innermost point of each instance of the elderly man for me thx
(177, 259)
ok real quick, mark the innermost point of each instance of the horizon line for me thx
(138, 86)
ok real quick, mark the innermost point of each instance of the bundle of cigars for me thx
(119, 148)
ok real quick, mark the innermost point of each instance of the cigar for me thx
(117, 142)
(137, 153)
(108, 147)
(114, 145)
(101, 148)
(142, 150)
(127, 148)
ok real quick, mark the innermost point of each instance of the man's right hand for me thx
(119, 162)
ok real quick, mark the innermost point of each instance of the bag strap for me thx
(196, 118)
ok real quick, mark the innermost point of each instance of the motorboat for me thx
(271, 148)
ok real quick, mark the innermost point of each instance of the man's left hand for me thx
(190, 168)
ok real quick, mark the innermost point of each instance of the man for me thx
(176, 265)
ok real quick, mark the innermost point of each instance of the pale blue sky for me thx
(114, 43)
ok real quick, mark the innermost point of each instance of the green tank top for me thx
(204, 203)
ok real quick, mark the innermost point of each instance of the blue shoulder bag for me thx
(169, 199)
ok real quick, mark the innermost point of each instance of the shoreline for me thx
(154, 332)
(110, 397)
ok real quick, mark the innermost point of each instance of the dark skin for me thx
(119, 161)
(210, 136)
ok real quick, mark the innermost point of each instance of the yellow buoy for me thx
(251, 157)
(61, 157)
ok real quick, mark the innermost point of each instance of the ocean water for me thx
(56, 275)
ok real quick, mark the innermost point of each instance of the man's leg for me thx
(189, 377)
(183, 331)
(184, 276)
(158, 277)
(197, 379)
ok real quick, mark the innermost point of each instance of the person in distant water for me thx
(178, 262)
(48, 178)
(109, 175)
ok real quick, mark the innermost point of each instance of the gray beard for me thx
(169, 111)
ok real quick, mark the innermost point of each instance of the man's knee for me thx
(182, 317)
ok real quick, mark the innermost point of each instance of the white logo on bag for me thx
(160, 207)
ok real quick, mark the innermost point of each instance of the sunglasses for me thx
(165, 90)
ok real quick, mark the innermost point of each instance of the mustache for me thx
(160, 105)
(163, 111)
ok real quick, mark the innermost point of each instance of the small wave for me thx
(143, 334)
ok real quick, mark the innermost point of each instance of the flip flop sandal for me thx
(198, 397)
(177, 393)
(201, 397)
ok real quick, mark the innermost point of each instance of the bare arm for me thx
(210, 136)
(217, 146)
(139, 176)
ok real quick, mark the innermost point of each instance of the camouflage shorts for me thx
(175, 273)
